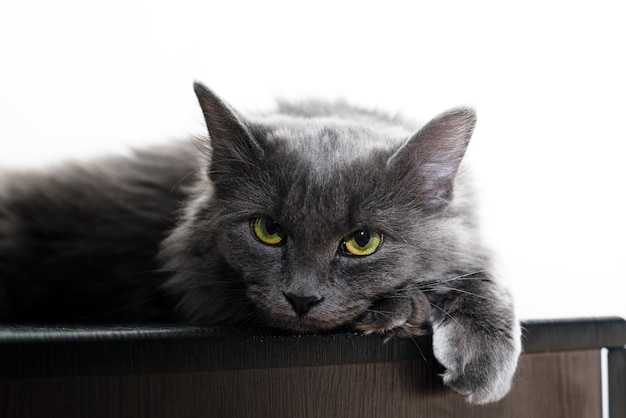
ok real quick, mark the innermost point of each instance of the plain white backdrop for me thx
(548, 80)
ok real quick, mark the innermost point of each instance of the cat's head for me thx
(322, 216)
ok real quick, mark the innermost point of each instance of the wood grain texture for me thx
(547, 385)
(31, 351)
(153, 371)
(617, 382)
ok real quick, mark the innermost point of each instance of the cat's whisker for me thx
(232, 160)
(418, 348)
(454, 289)
(467, 276)
(190, 173)
(461, 278)
(398, 294)
(379, 312)
(449, 316)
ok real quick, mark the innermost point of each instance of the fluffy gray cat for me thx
(312, 218)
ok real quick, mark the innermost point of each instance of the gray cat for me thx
(312, 218)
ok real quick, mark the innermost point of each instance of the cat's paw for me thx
(403, 314)
(479, 364)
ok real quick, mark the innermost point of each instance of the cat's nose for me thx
(302, 304)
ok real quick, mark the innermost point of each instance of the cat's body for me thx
(80, 243)
(312, 218)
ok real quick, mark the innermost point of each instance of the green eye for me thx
(268, 231)
(362, 242)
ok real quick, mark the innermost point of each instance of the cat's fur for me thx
(166, 235)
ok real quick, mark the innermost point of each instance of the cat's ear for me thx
(231, 139)
(430, 159)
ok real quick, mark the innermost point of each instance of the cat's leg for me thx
(403, 313)
(476, 336)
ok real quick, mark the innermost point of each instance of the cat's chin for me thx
(310, 325)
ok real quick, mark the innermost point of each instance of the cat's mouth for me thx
(317, 319)
(313, 312)
(309, 324)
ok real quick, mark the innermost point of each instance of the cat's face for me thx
(320, 220)
(335, 239)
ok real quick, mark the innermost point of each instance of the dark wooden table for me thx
(167, 371)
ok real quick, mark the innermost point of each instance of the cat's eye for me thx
(361, 242)
(267, 230)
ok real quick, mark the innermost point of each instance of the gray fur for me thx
(165, 235)
(79, 242)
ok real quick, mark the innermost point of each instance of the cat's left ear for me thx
(430, 159)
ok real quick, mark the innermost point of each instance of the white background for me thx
(548, 80)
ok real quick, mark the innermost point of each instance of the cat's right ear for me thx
(230, 138)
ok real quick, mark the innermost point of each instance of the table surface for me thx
(169, 371)
(28, 350)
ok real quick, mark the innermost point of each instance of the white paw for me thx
(480, 362)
